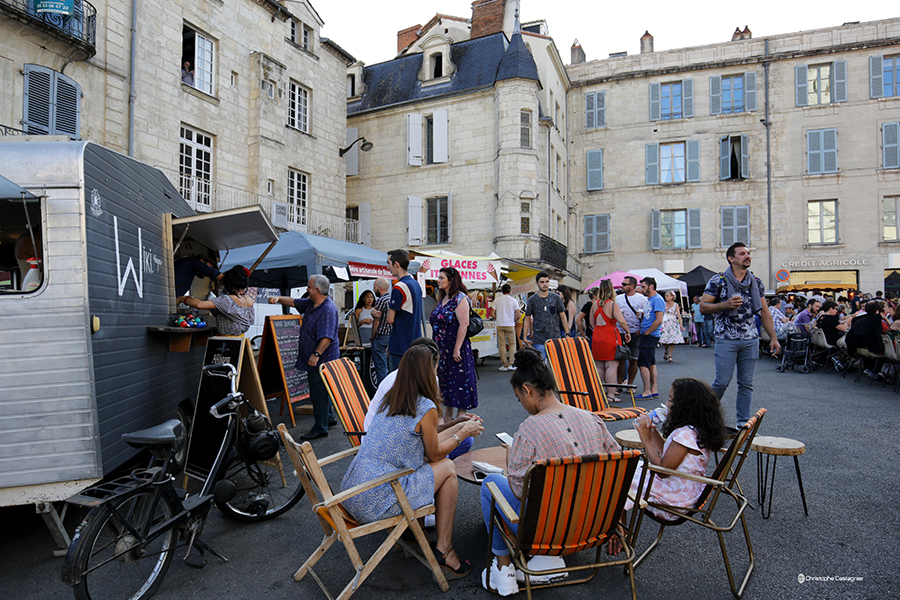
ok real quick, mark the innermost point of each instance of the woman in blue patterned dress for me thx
(404, 434)
(449, 322)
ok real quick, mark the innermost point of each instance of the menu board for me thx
(277, 360)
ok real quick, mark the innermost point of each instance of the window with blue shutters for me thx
(594, 170)
(52, 103)
(673, 162)
(734, 157)
(822, 222)
(890, 132)
(594, 110)
(821, 151)
(884, 76)
(675, 229)
(596, 233)
(672, 100)
(735, 225)
(732, 94)
(820, 84)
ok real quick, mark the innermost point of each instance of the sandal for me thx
(464, 565)
(615, 399)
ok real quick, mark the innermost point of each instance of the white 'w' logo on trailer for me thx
(129, 268)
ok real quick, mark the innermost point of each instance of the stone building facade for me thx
(787, 143)
(468, 157)
(258, 119)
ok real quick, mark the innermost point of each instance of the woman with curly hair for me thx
(234, 309)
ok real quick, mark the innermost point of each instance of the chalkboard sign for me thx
(277, 359)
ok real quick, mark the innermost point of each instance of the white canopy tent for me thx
(664, 283)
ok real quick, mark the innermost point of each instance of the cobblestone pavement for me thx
(845, 549)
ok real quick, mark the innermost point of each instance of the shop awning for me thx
(476, 270)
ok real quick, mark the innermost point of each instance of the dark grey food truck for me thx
(84, 354)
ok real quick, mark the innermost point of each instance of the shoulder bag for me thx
(476, 324)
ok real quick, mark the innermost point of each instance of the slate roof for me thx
(478, 65)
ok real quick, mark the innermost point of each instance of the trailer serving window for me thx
(22, 269)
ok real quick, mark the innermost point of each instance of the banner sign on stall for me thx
(63, 7)
(472, 270)
(369, 270)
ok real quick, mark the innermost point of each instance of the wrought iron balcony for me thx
(553, 253)
(80, 29)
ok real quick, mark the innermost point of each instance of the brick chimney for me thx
(487, 17)
(407, 36)
(746, 34)
(736, 35)
(646, 43)
(578, 56)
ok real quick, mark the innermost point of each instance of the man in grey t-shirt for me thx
(632, 306)
(545, 316)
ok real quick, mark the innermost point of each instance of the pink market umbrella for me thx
(616, 278)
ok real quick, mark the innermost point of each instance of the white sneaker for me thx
(429, 520)
(512, 368)
(503, 580)
(503, 369)
(544, 563)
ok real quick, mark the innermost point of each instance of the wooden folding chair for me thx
(339, 525)
(578, 382)
(348, 394)
(568, 505)
(722, 481)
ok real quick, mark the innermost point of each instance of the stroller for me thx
(796, 352)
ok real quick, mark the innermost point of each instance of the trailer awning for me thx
(13, 191)
(227, 229)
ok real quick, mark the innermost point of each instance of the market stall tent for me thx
(664, 283)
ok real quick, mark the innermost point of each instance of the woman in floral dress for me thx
(672, 330)
(449, 322)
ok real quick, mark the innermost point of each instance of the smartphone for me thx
(478, 475)
(505, 438)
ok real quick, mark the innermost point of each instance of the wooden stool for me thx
(629, 438)
(775, 446)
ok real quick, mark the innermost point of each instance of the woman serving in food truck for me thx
(234, 309)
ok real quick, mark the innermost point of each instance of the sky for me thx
(368, 29)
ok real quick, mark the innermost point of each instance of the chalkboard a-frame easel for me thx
(277, 359)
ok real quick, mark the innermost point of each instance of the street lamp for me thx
(365, 146)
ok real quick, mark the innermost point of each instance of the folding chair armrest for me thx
(359, 489)
(672, 473)
(357, 433)
(622, 386)
(338, 456)
(574, 392)
(502, 504)
(641, 502)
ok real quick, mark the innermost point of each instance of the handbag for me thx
(476, 324)
(623, 352)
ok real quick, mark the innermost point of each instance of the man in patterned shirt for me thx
(381, 329)
(734, 297)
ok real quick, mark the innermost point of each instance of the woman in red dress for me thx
(604, 315)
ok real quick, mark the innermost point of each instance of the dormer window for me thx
(437, 66)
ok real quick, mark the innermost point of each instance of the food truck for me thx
(88, 353)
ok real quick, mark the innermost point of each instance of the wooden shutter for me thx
(687, 98)
(365, 223)
(601, 233)
(814, 152)
(601, 109)
(655, 106)
(414, 220)
(351, 158)
(725, 157)
(693, 160)
(741, 224)
(715, 94)
(651, 176)
(829, 151)
(595, 170)
(39, 99)
(745, 156)
(441, 151)
(693, 227)
(839, 72)
(889, 144)
(876, 76)
(750, 91)
(654, 229)
(589, 221)
(728, 237)
(801, 83)
(414, 139)
(589, 112)
(449, 217)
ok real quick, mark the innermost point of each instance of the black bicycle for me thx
(124, 546)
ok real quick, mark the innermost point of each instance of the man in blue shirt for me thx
(405, 309)
(650, 332)
(318, 345)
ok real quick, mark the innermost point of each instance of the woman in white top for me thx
(364, 316)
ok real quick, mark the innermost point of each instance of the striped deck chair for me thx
(348, 394)
(568, 505)
(340, 526)
(578, 382)
(722, 481)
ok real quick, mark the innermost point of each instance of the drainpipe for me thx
(131, 78)
(768, 126)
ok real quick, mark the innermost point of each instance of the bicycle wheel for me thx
(264, 490)
(112, 562)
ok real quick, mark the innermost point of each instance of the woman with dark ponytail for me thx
(553, 430)
(234, 309)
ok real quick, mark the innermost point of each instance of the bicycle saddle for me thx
(164, 434)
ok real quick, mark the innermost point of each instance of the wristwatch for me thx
(317, 354)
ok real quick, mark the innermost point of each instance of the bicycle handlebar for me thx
(223, 370)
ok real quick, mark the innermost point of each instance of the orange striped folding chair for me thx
(568, 505)
(577, 380)
(722, 481)
(348, 394)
